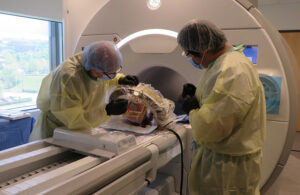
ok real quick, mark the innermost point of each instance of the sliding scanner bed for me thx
(98, 141)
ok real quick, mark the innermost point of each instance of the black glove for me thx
(129, 80)
(189, 103)
(116, 107)
(188, 89)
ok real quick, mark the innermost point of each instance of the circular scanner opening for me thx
(167, 81)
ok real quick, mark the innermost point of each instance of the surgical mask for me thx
(103, 78)
(197, 65)
(194, 64)
(106, 77)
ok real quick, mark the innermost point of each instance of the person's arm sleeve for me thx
(224, 110)
(67, 106)
(115, 81)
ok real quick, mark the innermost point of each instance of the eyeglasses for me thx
(112, 73)
(185, 54)
(188, 52)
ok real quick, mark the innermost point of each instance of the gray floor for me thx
(288, 182)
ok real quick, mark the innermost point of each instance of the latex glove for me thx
(188, 89)
(129, 80)
(189, 103)
(116, 107)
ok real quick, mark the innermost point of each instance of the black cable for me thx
(181, 155)
(295, 150)
(148, 181)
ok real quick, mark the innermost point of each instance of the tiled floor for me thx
(288, 182)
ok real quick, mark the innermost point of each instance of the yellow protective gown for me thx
(229, 128)
(70, 97)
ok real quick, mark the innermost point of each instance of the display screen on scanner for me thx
(250, 52)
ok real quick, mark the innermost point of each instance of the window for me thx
(29, 49)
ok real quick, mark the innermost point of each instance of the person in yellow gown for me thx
(226, 111)
(73, 94)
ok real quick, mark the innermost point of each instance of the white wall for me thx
(284, 16)
(49, 10)
(77, 13)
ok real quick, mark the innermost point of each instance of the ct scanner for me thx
(146, 38)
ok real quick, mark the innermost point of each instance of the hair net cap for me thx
(200, 35)
(102, 56)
